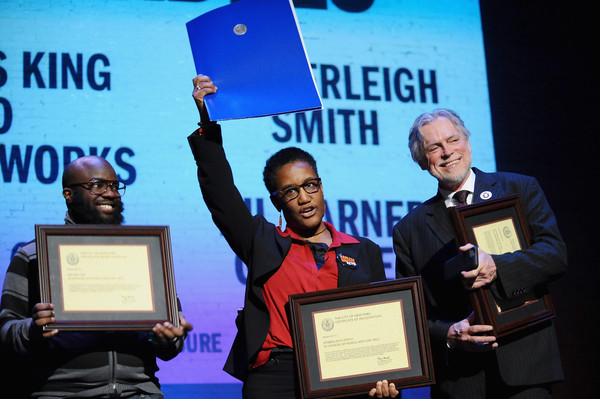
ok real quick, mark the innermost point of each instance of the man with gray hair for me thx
(468, 361)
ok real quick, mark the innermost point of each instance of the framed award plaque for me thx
(347, 339)
(107, 277)
(499, 226)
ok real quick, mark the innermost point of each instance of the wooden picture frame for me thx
(107, 277)
(498, 226)
(347, 339)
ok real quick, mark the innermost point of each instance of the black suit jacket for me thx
(259, 245)
(424, 240)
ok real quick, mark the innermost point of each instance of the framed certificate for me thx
(499, 226)
(347, 339)
(107, 277)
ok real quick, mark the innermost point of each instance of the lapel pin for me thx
(347, 260)
(486, 195)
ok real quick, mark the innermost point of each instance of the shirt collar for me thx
(338, 237)
(68, 219)
(469, 185)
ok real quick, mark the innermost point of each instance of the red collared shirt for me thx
(298, 274)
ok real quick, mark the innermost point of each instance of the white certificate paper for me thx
(361, 340)
(497, 238)
(105, 278)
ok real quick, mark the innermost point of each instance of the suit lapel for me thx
(485, 187)
(439, 221)
(346, 257)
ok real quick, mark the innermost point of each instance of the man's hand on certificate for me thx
(468, 337)
(43, 314)
(485, 272)
(383, 390)
(166, 332)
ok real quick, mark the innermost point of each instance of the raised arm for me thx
(224, 201)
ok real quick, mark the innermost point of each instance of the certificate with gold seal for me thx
(347, 339)
(107, 277)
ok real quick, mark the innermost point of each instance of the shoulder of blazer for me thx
(273, 248)
(424, 211)
(499, 183)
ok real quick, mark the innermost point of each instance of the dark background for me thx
(543, 93)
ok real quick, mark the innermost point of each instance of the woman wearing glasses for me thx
(309, 255)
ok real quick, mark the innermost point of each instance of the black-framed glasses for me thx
(310, 186)
(100, 186)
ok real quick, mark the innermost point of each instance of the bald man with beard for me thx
(84, 207)
(81, 364)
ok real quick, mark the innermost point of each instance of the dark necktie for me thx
(461, 197)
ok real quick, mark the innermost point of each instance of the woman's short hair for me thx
(281, 158)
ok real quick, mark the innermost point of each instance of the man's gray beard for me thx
(447, 181)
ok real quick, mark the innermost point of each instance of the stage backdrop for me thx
(114, 78)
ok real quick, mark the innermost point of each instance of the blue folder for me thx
(254, 53)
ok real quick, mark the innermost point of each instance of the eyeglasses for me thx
(99, 186)
(310, 187)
